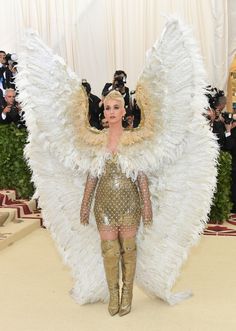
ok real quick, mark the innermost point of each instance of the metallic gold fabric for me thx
(117, 202)
(128, 264)
(111, 258)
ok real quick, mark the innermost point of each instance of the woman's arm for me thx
(145, 197)
(87, 199)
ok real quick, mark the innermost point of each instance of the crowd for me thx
(223, 124)
(96, 117)
(10, 110)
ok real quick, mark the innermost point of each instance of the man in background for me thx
(119, 81)
(2, 75)
(95, 111)
(10, 111)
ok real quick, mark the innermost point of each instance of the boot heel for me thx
(126, 302)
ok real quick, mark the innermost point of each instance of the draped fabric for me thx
(97, 37)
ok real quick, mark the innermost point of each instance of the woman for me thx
(117, 211)
(63, 149)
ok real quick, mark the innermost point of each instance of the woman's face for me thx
(113, 111)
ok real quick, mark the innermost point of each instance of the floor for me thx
(35, 284)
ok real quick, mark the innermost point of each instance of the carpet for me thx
(219, 230)
(223, 229)
(24, 209)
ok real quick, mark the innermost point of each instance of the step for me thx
(12, 214)
(16, 230)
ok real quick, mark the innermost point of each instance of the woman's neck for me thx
(114, 135)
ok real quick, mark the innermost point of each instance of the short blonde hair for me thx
(114, 95)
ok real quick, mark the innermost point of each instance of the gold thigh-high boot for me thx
(111, 258)
(128, 263)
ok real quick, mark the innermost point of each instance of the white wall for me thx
(96, 37)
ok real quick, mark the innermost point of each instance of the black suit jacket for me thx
(231, 147)
(12, 116)
(94, 111)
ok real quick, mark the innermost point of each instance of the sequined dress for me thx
(117, 200)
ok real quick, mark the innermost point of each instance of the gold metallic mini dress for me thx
(117, 201)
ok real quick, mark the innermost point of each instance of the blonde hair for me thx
(114, 95)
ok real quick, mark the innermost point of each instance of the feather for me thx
(185, 153)
(53, 101)
(173, 146)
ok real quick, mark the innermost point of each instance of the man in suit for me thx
(231, 147)
(11, 72)
(1, 98)
(10, 111)
(217, 102)
(119, 81)
(2, 72)
(95, 110)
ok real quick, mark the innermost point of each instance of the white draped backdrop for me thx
(97, 37)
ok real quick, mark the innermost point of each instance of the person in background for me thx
(104, 123)
(94, 109)
(219, 126)
(129, 120)
(10, 111)
(2, 73)
(231, 147)
(118, 84)
(223, 125)
(11, 72)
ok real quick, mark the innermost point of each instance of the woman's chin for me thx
(113, 121)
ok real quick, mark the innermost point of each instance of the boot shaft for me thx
(128, 260)
(128, 263)
(111, 259)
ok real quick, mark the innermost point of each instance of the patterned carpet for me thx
(22, 210)
(17, 217)
(228, 228)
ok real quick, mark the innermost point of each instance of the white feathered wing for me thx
(185, 151)
(53, 100)
(179, 160)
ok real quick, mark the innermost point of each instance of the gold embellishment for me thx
(89, 136)
(117, 202)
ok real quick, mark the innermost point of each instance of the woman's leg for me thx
(111, 257)
(128, 263)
